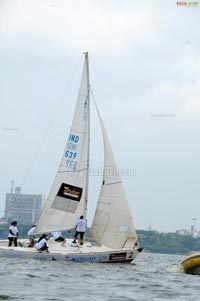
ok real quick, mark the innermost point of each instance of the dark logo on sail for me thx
(70, 192)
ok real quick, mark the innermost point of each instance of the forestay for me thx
(68, 196)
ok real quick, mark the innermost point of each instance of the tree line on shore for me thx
(168, 243)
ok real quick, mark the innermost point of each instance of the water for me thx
(153, 277)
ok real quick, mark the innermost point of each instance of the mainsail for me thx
(112, 224)
(67, 199)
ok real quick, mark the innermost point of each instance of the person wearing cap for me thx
(13, 234)
(31, 235)
(41, 245)
(80, 229)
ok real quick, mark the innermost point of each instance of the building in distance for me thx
(24, 208)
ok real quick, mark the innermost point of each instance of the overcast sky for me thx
(145, 76)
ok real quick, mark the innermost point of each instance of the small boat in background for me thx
(191, 264)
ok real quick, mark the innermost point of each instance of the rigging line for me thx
(92, 95)
(50, 123)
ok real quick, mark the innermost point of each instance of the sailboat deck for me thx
(57, 247)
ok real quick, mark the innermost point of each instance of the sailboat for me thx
(112, 237)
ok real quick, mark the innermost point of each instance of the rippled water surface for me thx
(153, 277)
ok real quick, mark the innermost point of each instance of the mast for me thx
(88, 120)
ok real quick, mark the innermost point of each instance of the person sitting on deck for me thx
(58, 237)
(41, 245)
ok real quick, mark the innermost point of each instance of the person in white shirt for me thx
(58, 237)
(41, 245)
(31, 235)
(80, 229)
(13, 234)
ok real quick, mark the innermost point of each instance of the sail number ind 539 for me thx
(71, 153)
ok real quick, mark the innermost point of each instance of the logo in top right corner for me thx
(187, 3)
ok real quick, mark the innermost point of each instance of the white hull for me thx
(84, 253)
